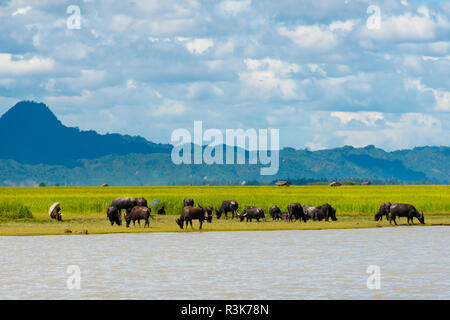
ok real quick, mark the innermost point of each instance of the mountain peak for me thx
(30, 114)
(30, 133)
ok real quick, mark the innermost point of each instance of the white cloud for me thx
(442, 97)
(271, 76)
(196, 46)
(408, 27)
(235, 7)
(319, 37)
(22, 11)
(19, 65)
(169, 108)
(368, 118)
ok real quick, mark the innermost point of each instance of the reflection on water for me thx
(303, 264)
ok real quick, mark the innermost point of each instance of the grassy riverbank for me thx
(84, 207)
(97, 224)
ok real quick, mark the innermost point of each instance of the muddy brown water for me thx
(302, 264)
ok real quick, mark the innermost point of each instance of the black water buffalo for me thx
(138, 213)
(142, 202)
(383, 211)
(405, 210)
(188, 202)
(252, 213)
(126, 203)
(162, 211)
(326, 212)
(275, 213)
(227, 206)
(296, 212)
(114, 216)
(192, 213)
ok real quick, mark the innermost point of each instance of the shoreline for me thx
(168, 225)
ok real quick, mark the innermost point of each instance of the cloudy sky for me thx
(322, 71)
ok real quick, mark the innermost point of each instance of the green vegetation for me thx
(85, 207)
(421, 166)
(13, 210)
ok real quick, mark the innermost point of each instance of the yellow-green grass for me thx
(83, 208)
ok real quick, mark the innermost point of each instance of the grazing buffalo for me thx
(275, 213)
(192, 213)
(114, 216)
(209, 214)
(296, 212)
(405, 210)
(188, 202)
(162, 211)
(138, 213)
(310, 212)
(252, 213)
(126, 203)
(142, 202)
(326, 212)
(227, 206)
(384, 210)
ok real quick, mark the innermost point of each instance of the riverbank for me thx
(98, 224)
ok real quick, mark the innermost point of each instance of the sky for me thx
(325, 73)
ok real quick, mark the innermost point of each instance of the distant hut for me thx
(366, 183)
(282, 183)
(335, 184)
(105, 185)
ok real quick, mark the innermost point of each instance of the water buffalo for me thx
(275, 213)
(138, 213)
(142, 202)
(326, 212)
(114, 216)
(162, 211)
(227, 206)
(296, 212)
(209, 214)
(384, 210)
(405, 210)
(192, 213)
(126, 203)
(252, 213)
(310, 212)
(188, 202)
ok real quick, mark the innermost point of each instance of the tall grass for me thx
(352, 200)
(13, 210)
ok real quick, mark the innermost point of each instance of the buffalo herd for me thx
(137, 209)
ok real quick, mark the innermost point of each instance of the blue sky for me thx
(313, 69)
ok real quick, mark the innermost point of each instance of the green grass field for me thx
(84, 208)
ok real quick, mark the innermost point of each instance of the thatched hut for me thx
(281, 183)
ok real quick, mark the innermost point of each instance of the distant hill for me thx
(35, 147)
(30, 133)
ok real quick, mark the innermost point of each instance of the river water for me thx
(414, 263)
